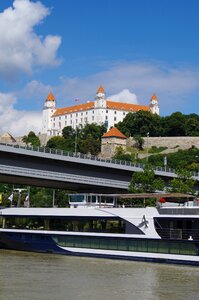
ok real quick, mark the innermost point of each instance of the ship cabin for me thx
(92, 200)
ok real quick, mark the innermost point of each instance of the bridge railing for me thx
(92, 157)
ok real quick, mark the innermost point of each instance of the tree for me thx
(89, 138)
(184, 183)
(57, 142)
(68, 132)
(31, 139)
(121, 155)
(139, 141)
(192, 125)
(145, 181)
(174, 125)
(140, 123)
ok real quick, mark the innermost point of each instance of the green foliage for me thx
(140, 123)
(89, 138)
(85, 140)
(145, 182)
(68, 132)
(121, 155)
(39, 197)
(155, 149)
(177, 124)
(57, 142)
(31, 139)
(184, 159)
(139, 141)
(184, 183)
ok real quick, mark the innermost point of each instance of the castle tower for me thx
(111, 140)
(100, 98)
(48, 110)
(154, 106)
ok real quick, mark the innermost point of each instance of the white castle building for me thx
(100, 111)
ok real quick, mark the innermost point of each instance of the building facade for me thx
(101, 111)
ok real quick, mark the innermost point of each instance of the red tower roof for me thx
(100, 90)
(114, 132)
(154, 97)
(50, 97)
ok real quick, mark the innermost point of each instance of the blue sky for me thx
(132, 47)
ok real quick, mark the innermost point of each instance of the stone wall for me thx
(180, 142)
(109, 145)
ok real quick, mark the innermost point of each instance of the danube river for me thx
(30, 276)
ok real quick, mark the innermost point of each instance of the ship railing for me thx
(79, 155)
(178, 234)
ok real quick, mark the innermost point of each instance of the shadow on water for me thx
(35, 276)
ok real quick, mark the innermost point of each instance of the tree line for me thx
(143, 123)
(139, 124)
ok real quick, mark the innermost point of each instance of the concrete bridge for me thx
(60, 169)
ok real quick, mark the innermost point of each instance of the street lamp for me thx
(76, 141)
(165, 163)
(75, 128)
(147, 158)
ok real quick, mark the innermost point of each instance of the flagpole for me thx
(28, 196)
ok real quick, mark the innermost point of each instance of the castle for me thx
(100, 111)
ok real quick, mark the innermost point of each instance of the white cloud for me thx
(174, 87)
(21, 48)
(124, 96)
(17, 122)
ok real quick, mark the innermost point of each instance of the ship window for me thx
(77, 198)
(117, 243)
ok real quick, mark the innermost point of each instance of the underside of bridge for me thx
(80, 188)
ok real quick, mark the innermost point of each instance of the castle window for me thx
(59, 118)
(65, 122)
(76, 115)
(107, 111)
(92, 118)
(86, 113)
(93, 111)
(85, 119)
(53, 124)
(123, 113)
(106, 117)
(54, 119)
(115, 119)
(115, 112)
(65, 117)
(71, 115)
(81, 114)
(59, 124)
(71, 122)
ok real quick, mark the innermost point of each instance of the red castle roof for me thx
(114, 132)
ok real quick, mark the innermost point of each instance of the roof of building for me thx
(100, 89)
(126, 106)
(50, 97)
(154, 97)
(74, 108)
(90, 105)
(6, 136)
(114, 132)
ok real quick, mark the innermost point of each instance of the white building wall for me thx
(46, 120)
(79, 119)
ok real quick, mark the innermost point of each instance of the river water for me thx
(32, 276)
